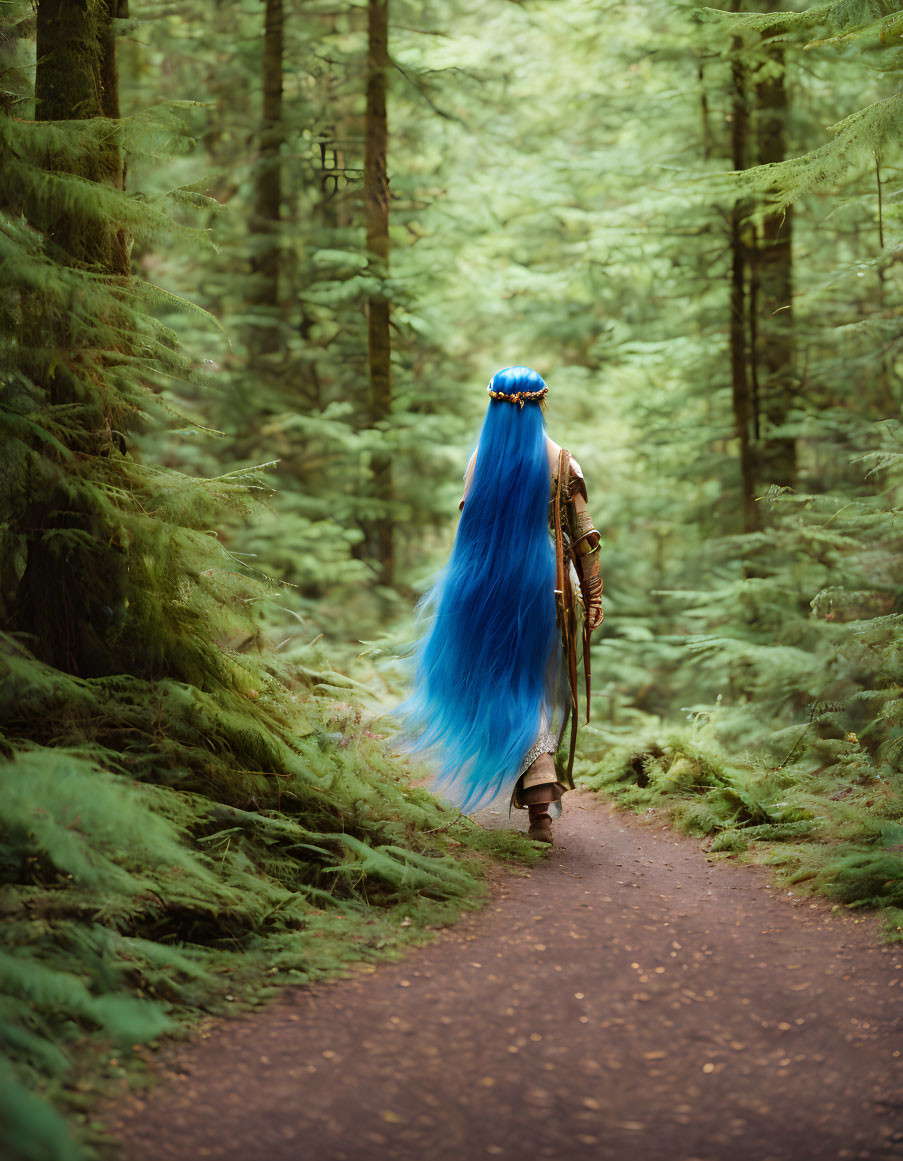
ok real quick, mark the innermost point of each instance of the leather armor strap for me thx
(565, 522)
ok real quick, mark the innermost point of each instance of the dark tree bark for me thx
(704, 112)
(772, 351)
(744, 411)
(265, 260)
(761, 323)
(376, 193)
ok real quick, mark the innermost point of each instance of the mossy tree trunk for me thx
(266, 223)
(376, 193)
(76, 78)
(74, 575)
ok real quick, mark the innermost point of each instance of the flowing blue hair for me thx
(482, 688)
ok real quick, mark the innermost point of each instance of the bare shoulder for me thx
(553, 450)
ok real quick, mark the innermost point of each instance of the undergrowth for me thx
(162, 861)
(192, 816)
(829, 822)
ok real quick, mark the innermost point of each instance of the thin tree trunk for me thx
(752, 313)
(740, 382)
(704, 112)
(376, 193)
(773, 353)
(886, 393)
(265, 261)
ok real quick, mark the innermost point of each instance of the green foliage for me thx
(783, 643)
(194, 793)
(861, 138)
(34, 1128)
(190, 817)
(853, 18)
(153, 869)
(302, 405)
(838, 829)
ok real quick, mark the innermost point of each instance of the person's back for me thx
(493, 688)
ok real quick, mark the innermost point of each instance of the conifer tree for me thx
(181, 799)
(264, 336)
(761, 331)
(743, 398)
(771, 345)
(59, 524)
(376, 197)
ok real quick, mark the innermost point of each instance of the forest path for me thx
(626, 1000)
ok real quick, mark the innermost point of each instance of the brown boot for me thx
(541, 829)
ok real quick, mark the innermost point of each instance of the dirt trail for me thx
(626, 1001)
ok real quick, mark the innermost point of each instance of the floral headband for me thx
(519, 397)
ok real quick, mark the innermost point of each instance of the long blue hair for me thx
(481, 682)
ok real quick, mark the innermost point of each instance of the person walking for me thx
(495, 679)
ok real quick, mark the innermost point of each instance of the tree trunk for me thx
(772, 353)
(376, 193)
(265, 260)
(76, 78)
(744, 412)
(65, 598)
(704, 111)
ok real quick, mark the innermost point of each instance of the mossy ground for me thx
(169, 856)
(834, 829)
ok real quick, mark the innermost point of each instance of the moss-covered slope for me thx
(165, 855)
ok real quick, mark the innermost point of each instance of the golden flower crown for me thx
(519, 397)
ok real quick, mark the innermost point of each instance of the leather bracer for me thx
(585, 554)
